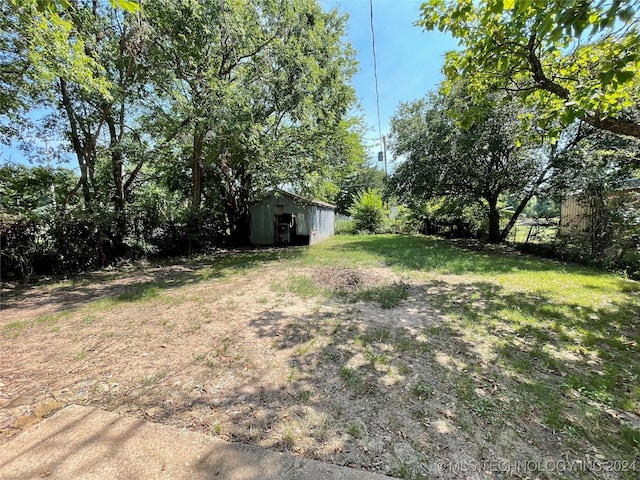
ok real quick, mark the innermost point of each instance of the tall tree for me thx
(477, 164)
(571, 59)
(260, 87)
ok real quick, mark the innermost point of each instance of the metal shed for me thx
(286, 218)
(575, 214)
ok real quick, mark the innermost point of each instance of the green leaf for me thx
(128, 5)
(606, 77)
(568, 116)
(626, 15)
(624, 76)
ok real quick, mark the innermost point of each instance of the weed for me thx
(199, 357)
(13, 329)
(422, 390)
(304, 395)
(303, 287)
(290, 435)
(352, 379)
(374, 358)
(223, 348)
(152, 379)
(217, 427)
(482, 407)
(354, 430)
(464, 388)
(80, 356)
(406, 470)
(403, 369)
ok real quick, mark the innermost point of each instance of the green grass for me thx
(561, 340)
(422, 390)
(17, 328)
(303, 286)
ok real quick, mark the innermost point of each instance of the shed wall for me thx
(573, 215)
(313, 221)
(325, 224)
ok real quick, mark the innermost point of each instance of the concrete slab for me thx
(86, 443)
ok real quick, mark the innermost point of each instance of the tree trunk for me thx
(119, 197)
(237, 206)
(240, 229)
(196, 168)
(514, 218)
(494, 220)
(79, 148)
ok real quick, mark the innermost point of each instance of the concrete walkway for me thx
(86, 443)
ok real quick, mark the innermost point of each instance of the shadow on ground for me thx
(131, 285)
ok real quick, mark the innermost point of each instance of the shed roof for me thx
(304, 200)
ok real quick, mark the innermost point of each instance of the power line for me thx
(375, 70)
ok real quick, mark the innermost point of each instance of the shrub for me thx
(368, 211)
(344, 225)
(406, 221)
(451, 217)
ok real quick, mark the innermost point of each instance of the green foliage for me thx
(178, 114)
(571, 59)
(471, 166)
(368, 211)
(36, 190)
(538, 207)
(265, 107)
(344, 226)
(364, 176)
(406, 221)
(600, 175)
(451, 217)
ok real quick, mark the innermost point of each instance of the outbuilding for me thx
(576, 213)
(284, 218)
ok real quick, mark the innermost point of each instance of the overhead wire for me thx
(375, 71)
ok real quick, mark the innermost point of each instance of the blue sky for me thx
(409, 59)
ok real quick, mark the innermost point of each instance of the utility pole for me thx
(384, 153)
(382, 156)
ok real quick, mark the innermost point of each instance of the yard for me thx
(410, 356)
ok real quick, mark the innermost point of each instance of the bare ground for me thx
(246, 359)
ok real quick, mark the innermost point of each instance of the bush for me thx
(344, 225)
(368, 211)
(452, 218)
(406, 221)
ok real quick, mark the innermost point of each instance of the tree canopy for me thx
(181, 112)
(475, 164)
(570, 59)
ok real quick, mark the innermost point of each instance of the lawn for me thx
(411, 356)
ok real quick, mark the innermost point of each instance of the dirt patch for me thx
(343, 279)
(395, 390)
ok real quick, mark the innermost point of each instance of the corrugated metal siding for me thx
(314, 221)
(325, 225)
(573, 215)
(262, 232)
